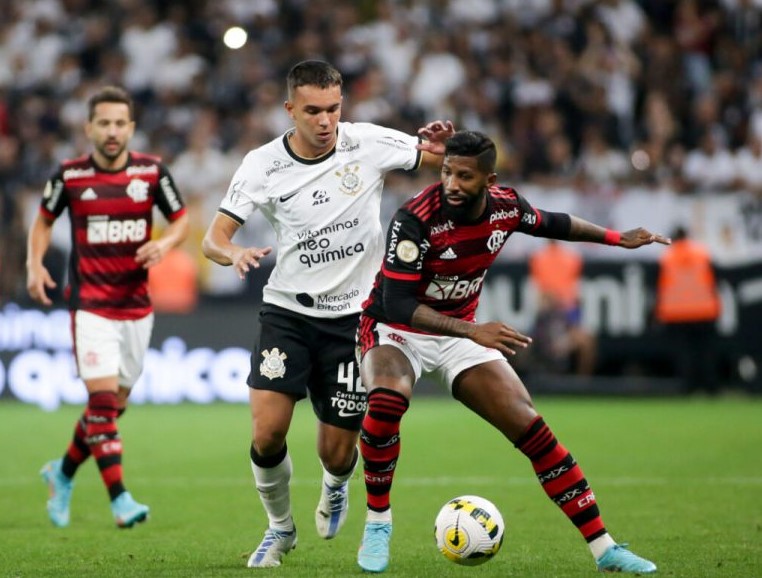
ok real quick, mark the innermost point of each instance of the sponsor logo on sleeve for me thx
(278, 166)
(397, 143)
(235, 193)
(170, 194)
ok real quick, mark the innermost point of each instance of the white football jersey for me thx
(325, 212)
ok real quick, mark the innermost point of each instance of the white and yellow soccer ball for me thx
(469, 530)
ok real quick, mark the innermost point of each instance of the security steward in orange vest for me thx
(688, 306)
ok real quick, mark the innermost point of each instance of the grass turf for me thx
(679, 479)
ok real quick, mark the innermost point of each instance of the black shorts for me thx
(300, 355)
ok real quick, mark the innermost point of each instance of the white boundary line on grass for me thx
(407, 481)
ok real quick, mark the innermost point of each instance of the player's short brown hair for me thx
(312, 73)
(110, 94)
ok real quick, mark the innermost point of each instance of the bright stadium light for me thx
(235, 37)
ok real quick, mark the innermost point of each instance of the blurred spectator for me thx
(688, 306)
(657, 135)
(601, 164)
(748, 165)
(653, 76)
(613, 67)
(147, 43)
(561, 343)
(624, 20)
(709, 167)
(557, 167)
(695, 31)
(437, 73)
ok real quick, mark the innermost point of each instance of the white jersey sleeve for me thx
(325, 213)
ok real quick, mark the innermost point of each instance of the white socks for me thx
(599, 546)
(273, 487)
(333, 480)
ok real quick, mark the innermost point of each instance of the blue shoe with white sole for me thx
(619, 559)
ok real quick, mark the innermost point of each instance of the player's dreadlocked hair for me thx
(312, 73)
(468, 143)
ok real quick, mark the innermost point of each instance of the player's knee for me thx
(268, 443)
(337, 463)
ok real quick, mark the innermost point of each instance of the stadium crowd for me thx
(585, 94)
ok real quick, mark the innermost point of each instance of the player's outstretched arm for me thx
(218, 247)
(582, 230)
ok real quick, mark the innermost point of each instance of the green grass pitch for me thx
(679, 479)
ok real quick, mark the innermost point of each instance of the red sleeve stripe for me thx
(174, 216)
(426, 203)
(47, 214)
(400, 276)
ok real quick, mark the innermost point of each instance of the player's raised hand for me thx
(435, 134)
(247, 258)
(638, 237)
(499, 336)
(38, 279)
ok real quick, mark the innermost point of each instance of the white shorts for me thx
(440, 357)
(105, 347)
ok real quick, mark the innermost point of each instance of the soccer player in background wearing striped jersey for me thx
(110, 195)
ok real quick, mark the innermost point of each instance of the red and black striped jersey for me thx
(444, 261)
(111, 216)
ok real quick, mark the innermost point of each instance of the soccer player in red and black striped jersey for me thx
(419, 319)
(110, 195)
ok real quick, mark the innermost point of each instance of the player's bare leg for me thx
(338, 453)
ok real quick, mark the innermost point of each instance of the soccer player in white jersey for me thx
(320, 187)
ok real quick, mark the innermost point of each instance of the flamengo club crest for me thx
(496, 240)
(273, 367)
(137, 190)
(350, 182)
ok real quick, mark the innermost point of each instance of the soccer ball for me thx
(469, 530)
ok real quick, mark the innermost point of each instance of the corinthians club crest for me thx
(351, 183)
(272, 366)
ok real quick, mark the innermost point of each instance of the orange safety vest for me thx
(686, 291)
(556, 270)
